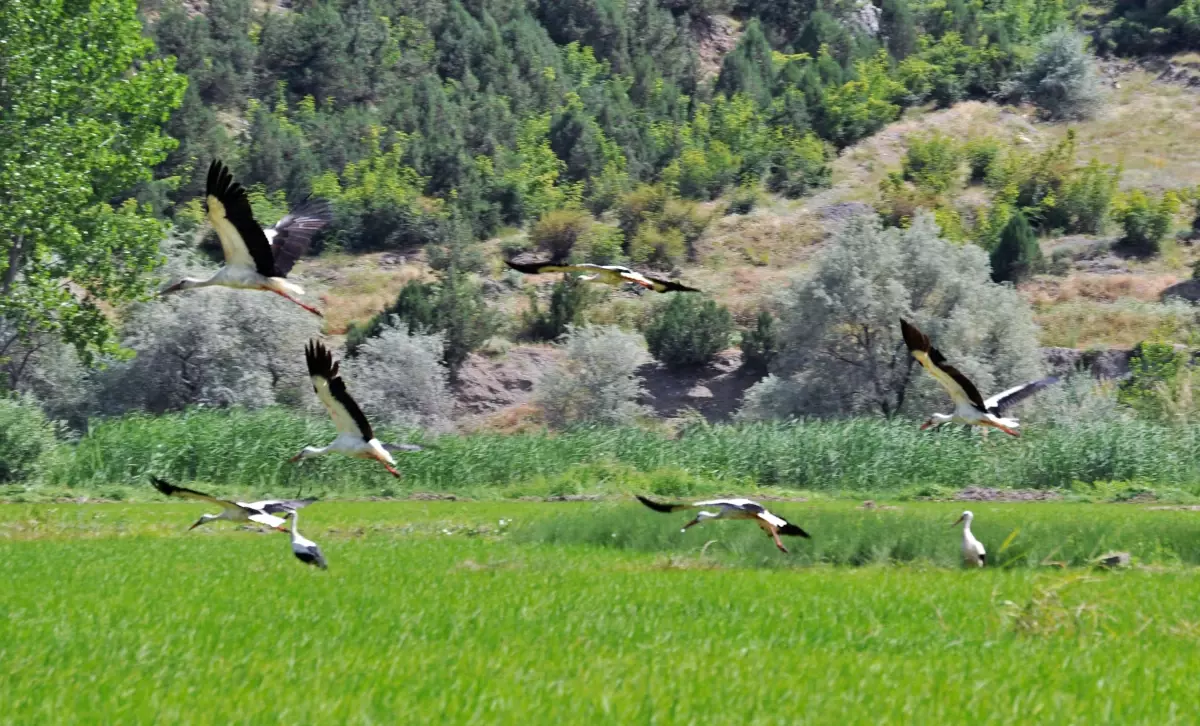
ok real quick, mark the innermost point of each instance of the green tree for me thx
(760, 345)
(688, 331)
(1018, 253)
(83, 111)
(568, 301)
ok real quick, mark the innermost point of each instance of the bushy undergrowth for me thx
(248, 450)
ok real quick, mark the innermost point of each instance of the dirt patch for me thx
(715, 36)
(988, 494)
(432, 497)
(488, 385)
(714, 391)
(1176, 508)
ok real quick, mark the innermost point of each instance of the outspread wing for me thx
(228, 208)
(291, 236)
(404, 448)
(348, 418)
(662, 507)
(269, 520)
(173, 491)
(1005, 400)
(541, 268)
(959, 387)
(659, 284)
(280, 506)
(747, 504)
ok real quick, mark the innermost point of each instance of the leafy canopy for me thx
(82, 124)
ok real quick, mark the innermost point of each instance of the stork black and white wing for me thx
(960, 388)
(291, 236)
(348, 418)
(171, 490)
(661, 507)
(242, 238)
(1005, 400)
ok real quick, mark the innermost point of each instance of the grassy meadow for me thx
(522, 612)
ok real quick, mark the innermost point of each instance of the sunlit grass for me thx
(412, 625)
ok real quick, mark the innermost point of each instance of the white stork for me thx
(260, 512)
(970, 407)
(305, 549)
(972, 549)
(354, 435)
(772, 524)
(255, 258)
(608, 274)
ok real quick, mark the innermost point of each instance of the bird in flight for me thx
(608, 274)
(772, 524)
(354, 434)
(255, 258)
(263, 512)
(970, 407)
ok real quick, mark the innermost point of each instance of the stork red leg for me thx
(393, 472)
(309, 308)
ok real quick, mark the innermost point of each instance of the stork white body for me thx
(305, 549)
(607, 274)
(974, 555)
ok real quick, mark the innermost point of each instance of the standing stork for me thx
(772, 524)
(261, 512)
(972, 549)
(608, 274)
(970, 408)
(255, 258)
(305, 549)
(354, 435)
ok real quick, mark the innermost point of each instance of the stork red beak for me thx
(170, 289)
(926, 425)
(958, 521)
(295, 458)
(197, 524)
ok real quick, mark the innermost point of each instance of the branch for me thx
(15, 253)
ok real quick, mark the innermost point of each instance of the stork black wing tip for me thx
(529, 268)
(792, 530)
(913, 337)
(656, 506)
(162, 485)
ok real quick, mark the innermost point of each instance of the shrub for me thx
(980, 154)
(1061, 80)
(798, 166)
(27, 438)
(840, 345)
(635, 207)
(688, 331)
(597, 383)
(558, 231)
(399, 378)
(932, 163)
(661, 248)
(1018, 253)
(743, 200)
(760, 344)
(568, 300)
(1153, 369)
(1086, 198)
(1145, 221)
(602, 245)
(453, 306)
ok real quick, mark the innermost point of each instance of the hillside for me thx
(721, 143)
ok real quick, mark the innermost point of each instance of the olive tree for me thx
(597, 382)
(841, 349)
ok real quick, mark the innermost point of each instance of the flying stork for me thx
(354, 435)
(305, 549)
(972, 549)
(608, 274)
(261, 512)
(255, 258)
(772, 524)
(970, 407)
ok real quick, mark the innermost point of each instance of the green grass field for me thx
(435, 612)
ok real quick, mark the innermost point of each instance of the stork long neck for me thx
(294, 532)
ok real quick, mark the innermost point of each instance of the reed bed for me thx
(250, 449)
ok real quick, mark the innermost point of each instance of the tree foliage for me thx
(84, 109)
(1062, 79)
(597, 383)
(1018, 253)
(688, 331)
(399, 378)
